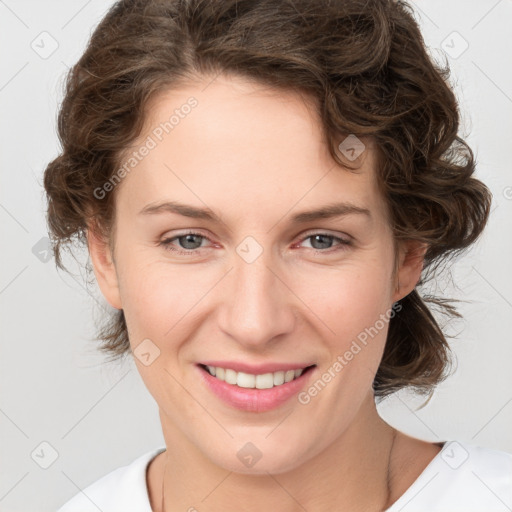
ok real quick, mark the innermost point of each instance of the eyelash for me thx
(166, 243)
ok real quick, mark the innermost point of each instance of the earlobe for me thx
(411, 259)
(104, 268)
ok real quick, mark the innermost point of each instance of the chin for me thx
(250, 460)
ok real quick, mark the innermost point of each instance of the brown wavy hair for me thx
(365, 65)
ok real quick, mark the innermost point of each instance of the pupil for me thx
(189, 239)
(326, 242)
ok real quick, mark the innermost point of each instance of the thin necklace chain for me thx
(388, 483)
(163, 480)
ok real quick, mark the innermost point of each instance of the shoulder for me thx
(123, 489)
(462, 477)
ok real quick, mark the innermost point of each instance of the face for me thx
(253, 282)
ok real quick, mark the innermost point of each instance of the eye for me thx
(190, 242)
(323, 242)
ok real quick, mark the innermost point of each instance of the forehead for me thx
(241, 145)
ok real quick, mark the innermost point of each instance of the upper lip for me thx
(256, 369)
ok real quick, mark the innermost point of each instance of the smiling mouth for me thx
(251, 381)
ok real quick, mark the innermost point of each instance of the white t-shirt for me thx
(461, 478)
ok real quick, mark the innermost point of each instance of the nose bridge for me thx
(256, 308)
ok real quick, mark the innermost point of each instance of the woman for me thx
(262, 186)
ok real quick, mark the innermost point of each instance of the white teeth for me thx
(245, 380)
(278, 378)
(265, 381)
(248, 380)
(289, 375)
(230, 376)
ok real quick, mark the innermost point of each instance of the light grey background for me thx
(97, 417)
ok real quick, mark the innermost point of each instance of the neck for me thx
(356, 470)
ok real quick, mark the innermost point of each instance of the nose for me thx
(258, 306)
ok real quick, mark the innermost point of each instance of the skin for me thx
(255, 156)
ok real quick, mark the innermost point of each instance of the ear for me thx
(410, 264)
(104, 267)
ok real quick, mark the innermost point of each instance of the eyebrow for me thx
(325, 212)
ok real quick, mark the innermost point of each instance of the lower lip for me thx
(252, 399)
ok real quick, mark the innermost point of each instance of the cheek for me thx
(160, 302)
(348, 298)
(366, 299)
(158, 297)
(161, 298)
(351, 303)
